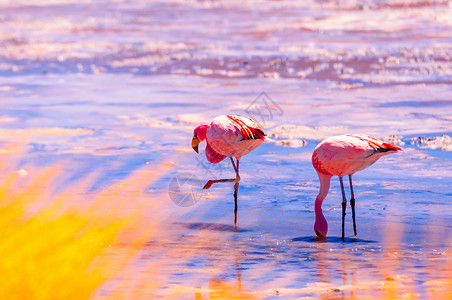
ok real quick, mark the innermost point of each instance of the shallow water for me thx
(116, 88)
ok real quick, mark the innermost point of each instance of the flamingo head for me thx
(320, 224)
(199, 135)
(321, 227)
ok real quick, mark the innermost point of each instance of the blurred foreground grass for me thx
(51, 246)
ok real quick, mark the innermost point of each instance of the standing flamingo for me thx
(344, 155)
(228, 136)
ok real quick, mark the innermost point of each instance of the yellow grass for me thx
(50, 250)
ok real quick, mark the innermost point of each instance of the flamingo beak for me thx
(195, 143)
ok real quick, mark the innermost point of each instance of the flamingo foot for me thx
(207, 185)
(210, 182)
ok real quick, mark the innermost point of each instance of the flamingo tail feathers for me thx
(391, 147)
(249, 129)
(386, 147)
(259, 134)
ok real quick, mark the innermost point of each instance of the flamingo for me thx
(228, 136)
(344, 155)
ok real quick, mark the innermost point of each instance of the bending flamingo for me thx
(344, 155)
(228, 136)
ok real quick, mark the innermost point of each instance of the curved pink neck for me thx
(324, 187)
(321, 225)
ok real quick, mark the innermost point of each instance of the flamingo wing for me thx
(212, 155)
(346, 154)
(377, 145)
(249, 129)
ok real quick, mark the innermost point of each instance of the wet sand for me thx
(109, 93)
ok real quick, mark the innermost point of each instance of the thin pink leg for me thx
(210, 182)
(352, 204)
(344, 205)
(236, 185)
(236, 188)
(236, 179)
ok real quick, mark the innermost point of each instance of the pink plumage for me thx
(228, 136)
(344, 155)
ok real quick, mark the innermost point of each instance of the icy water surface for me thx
(115, 89)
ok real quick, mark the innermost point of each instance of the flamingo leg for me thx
(344, 205)
(210, 182)
(236, 179)
(352, 204)
(236, 187)
(234, 166)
